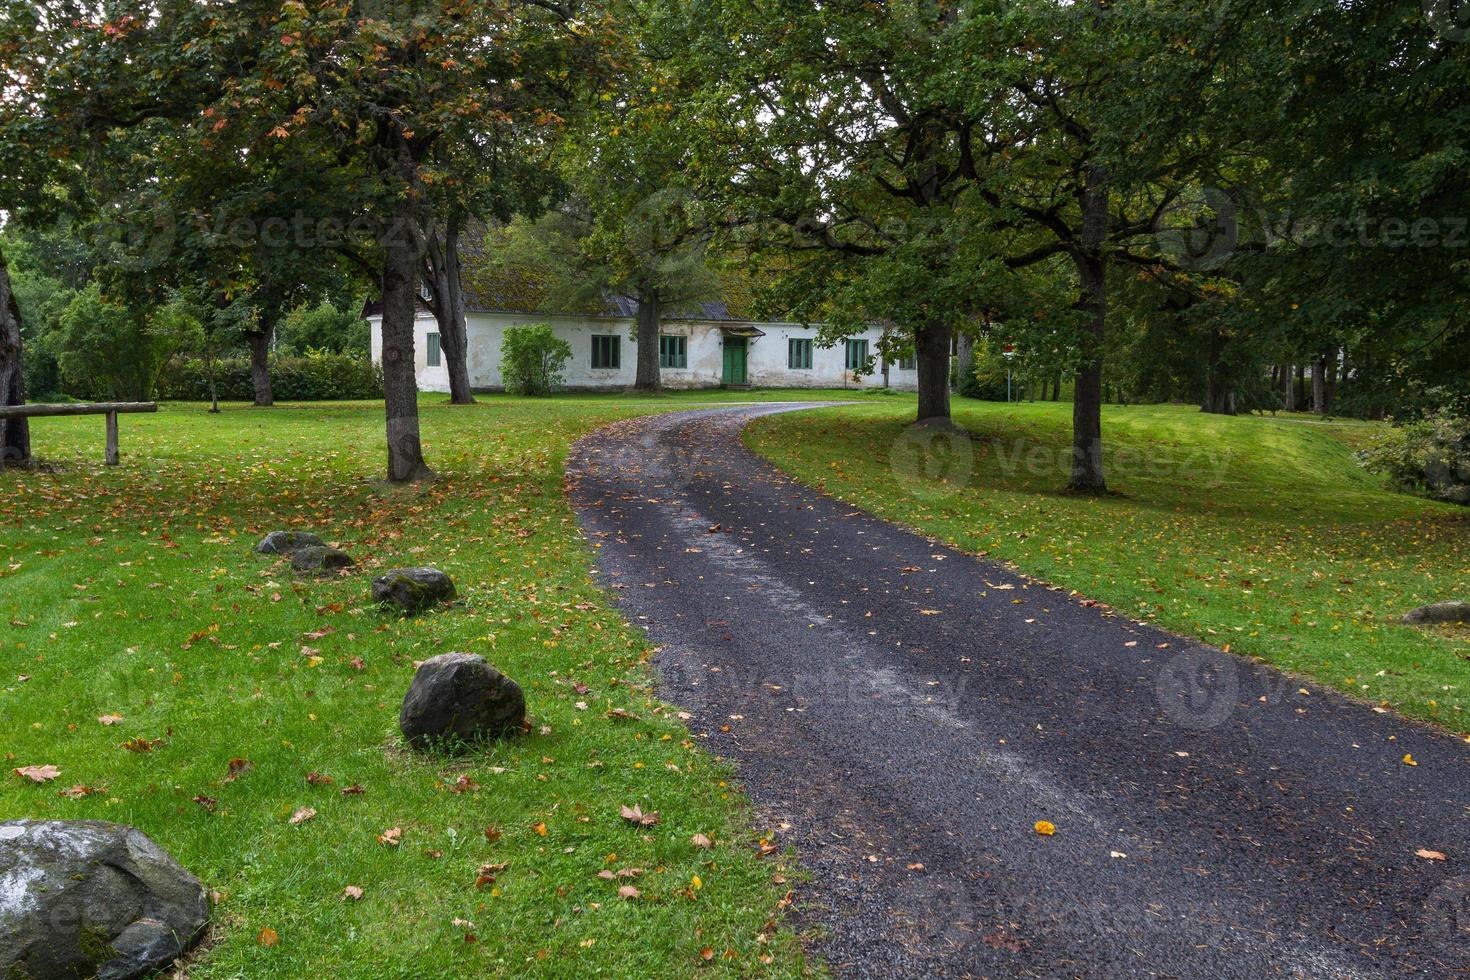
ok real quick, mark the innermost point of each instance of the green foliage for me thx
(532, 359)
(323, 327)
(107, 352)
(315, 376)
(1429, 456)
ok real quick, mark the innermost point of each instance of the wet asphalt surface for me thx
(903, 714)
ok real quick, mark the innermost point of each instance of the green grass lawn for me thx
(134, 592)
(1257, 533)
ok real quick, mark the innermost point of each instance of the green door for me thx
(734, 361)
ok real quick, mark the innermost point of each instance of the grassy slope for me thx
(1258, 533)
(133, 591)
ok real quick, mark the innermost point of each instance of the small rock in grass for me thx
(413, 589)
(1453, 611)
(318, 558)
(287, 542)
(459, 698)
(82, 898)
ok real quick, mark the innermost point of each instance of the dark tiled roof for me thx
(519, 290)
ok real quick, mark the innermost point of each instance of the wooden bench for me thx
(111, 409)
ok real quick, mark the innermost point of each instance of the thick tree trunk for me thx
(15, 434)
(1288, 388)
(1319, 385)
(1219, 382)
(931, 356)
(401, 256)
(1087, 452)
(650, 317)
(443, 265)
(259, 342)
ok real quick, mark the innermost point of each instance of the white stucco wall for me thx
(766, 364)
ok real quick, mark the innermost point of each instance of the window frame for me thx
(857, 344)
(908, 361)
(433, 349)
(803, 363)
(673, 355)
(612, 349)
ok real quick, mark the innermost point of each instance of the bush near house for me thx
(313, 377)
(532, 360)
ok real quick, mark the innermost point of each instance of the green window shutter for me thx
(434, 357)
(799, 353)
(857, 354)
(673, 351)
(607, 352)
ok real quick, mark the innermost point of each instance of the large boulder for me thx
(82, 898)
(413, 589)
(1453, 611)
(287, 542)
(458, 698)
(319, 559)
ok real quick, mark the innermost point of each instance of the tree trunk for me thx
(213, 389)
(401, 256)
(1319, 385)
(650, 317)
(15, 434)
(1087, 454)
(931, 356)
(964, 360)
(443, 266)
(1219, 381)
(260, 365)
(1288, 388)
(1334, 363)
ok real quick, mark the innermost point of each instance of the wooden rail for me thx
(111, 409)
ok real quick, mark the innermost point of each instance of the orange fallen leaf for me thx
(268, 937)
(317, 779)
(238, 768)
(540, 829)
(1045, 828)
(391, 837)
(37, 774)
(1409, 760)
(1429, 855)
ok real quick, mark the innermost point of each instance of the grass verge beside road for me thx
(1257, 533)
(131, 595)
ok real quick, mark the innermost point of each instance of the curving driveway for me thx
(904, 714)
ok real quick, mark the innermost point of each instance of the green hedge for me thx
(315, 377)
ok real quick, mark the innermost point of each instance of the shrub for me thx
(315, 377)
(105, 351)
(323, 327)
(532, 359)
(1430, 457)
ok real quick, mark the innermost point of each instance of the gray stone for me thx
(318, 558)
(287, 542)
(413, 589)
(459, 698)
(82, 898)
(1453, 611)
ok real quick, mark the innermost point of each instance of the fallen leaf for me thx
(540, 829)
(464, 784)
(208, 802)
(238, 768)
(391, 837)
(37, 774)
(268, 937)
(629, 892)
(701, 841)
(353, 790)
(635, 815)
(317, 779)
(492, 834)
(109, 719)
(1045, 828)
(352, 892)
(78, 791)
(1429, 855)
(302, 815)
(1409, 760)
(706, 954)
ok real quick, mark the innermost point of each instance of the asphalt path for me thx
(904, 714)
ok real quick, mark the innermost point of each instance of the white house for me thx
(706, 349)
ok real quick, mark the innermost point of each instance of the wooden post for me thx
(112, 454)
